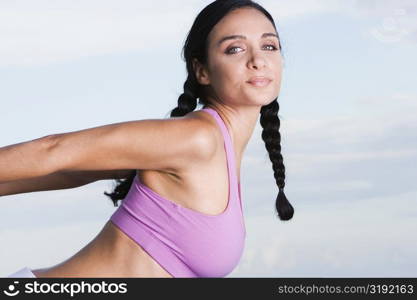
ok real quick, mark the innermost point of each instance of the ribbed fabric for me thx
(186, 242)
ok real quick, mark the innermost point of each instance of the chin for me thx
(259, 103)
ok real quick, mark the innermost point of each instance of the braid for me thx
(187, 101)
(270, 123)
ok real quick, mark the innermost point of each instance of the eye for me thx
(232, 52)
(273, 46)
(229, 51)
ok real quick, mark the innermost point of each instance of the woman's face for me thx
(233, 62)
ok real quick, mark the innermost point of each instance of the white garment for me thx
(23, 273)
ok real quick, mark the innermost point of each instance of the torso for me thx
(113, 254)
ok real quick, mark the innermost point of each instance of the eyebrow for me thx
(239, 36)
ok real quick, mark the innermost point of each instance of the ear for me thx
(200, 72)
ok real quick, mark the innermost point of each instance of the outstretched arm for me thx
(53, 181)
(166, 145)
(59, 181)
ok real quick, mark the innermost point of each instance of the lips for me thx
(259, 81)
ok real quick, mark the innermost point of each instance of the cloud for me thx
(289, 10)
(339, 239)
(392, 118)
(396, 18)
(45, 31)
(48, 31)
(336, 157)
(400, 100)
(40, 247)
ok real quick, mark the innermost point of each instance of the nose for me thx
(256, 61)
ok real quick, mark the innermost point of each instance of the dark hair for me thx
(196, 47)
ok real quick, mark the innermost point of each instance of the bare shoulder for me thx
(205, 127)
(204, 121)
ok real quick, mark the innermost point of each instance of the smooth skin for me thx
(177, 177)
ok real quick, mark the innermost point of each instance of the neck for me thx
(240, 122)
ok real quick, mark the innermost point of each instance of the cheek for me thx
(226, 75)
(277, 72)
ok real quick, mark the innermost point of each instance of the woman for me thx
(181, 212)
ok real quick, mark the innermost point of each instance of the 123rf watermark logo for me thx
(65, 288)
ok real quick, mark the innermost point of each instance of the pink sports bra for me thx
(186, 242)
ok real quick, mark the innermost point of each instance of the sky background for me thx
(348, 111)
